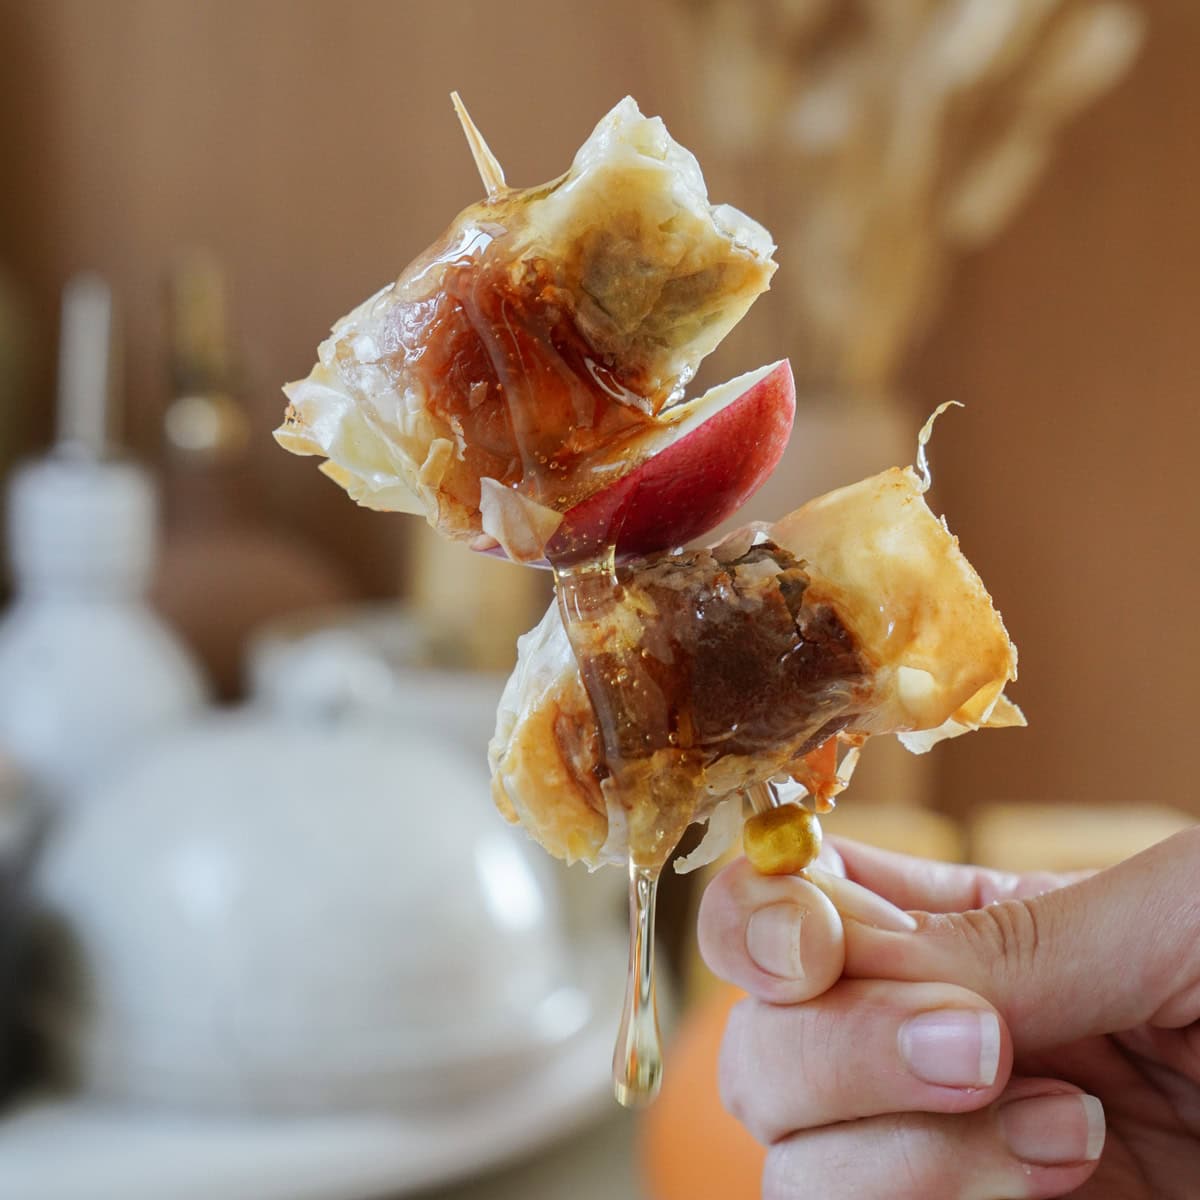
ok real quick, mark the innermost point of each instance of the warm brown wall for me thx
(1071, 477)
(311, 144)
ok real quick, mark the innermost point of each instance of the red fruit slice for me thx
(715, 453)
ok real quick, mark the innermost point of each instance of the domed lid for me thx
(263, 906)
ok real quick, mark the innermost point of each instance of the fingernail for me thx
(1051, 1131)
(773, 940)
(952, 1047)
(859, 904)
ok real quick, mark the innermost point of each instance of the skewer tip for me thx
(486, 163)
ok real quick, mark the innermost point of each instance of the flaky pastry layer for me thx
(525, 359)
(932, 659)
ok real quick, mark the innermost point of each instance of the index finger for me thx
(924, 885)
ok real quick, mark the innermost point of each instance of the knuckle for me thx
(917, 1170)
(1038, 883)
(1004, 936)
(892, 1157)
(735, 1069)
(788, 1175)
(755, 1085)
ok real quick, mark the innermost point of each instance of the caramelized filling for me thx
(503, 362)
(686, 659)
(690, 660)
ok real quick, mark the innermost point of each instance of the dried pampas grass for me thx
(885, 135)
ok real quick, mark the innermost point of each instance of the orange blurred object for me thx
(690, 1146)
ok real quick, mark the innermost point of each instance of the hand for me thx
(975, 1049)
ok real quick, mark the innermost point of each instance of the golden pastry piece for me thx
(711, 671)
(539, 349)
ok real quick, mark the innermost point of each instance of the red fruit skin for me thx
(692, 485)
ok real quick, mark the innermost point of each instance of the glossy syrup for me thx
(489, 332)
(586, 591)
(530, 403)
(535, 402)
(637, 1058)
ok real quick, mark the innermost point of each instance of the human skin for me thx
(1057, 1050)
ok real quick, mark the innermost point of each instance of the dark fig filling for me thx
(697, 657)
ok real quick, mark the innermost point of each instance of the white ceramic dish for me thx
(88, 1150)
(286, 916)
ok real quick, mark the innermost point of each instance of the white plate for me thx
(88, 1150)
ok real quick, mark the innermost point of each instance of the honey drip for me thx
(700, 669)
(585, 590)
(637, 1058)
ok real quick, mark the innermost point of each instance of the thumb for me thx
(1118, 949)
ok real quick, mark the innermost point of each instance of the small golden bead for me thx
(783, 840)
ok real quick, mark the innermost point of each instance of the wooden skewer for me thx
(763, 797)
(490, 171)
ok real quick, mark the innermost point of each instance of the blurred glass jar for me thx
(228, 563)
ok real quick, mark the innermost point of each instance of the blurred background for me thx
(248, 747)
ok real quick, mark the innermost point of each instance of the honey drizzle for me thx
(541, 368)
(637, 1058)
(584, 590)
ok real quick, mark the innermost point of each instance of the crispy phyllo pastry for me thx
(538, 352)
(773, 655)
(522, 386)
